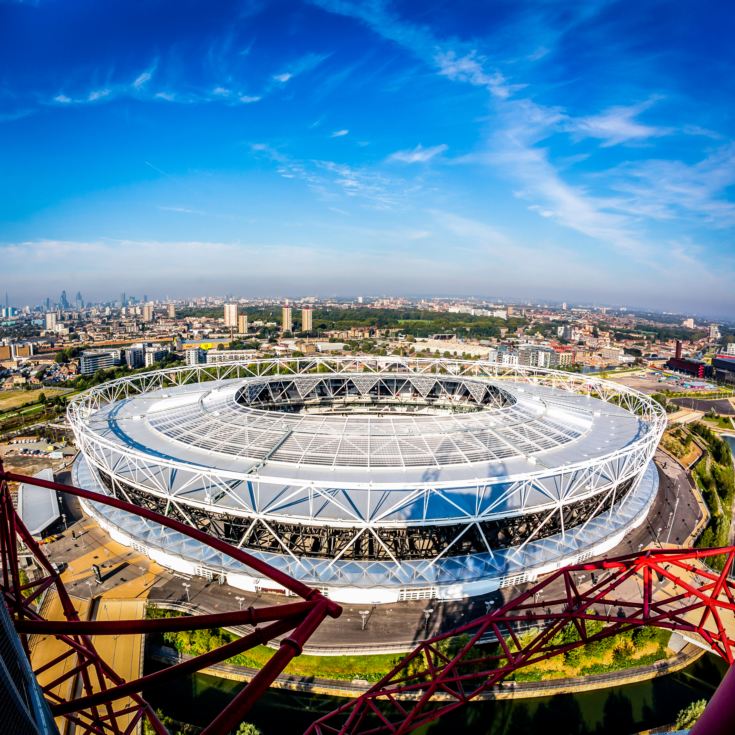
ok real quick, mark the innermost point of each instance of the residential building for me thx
(195, 356)
(90, 361)
(242, 324)
(135, 356)
(213, 357)
(231, 315)
(171, 311)
(153, 354)
(51, 321)
(307, 319)
(286, 318)
(147, 312)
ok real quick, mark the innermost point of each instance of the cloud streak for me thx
(419, 154)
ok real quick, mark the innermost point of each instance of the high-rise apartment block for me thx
(242, 324)
(231, 315)
(307, 319)
(286, 318)
(147, 312)
(171, 311)
(50, 321)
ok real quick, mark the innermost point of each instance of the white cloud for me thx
(470, 68)
(339, 133)
(63, 99)
(98, 94)
(181, 210)
(616, 125)
(249, 99)
(142, 79)
(283, 78)
(419, 154)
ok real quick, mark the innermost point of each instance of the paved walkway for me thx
(44, 649)
(123, 652)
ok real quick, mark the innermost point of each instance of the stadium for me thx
(375, 479)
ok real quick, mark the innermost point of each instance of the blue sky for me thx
(556, 150)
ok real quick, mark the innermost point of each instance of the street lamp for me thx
(427, 615)
(240, 600)
(186, 586)
(364, 615)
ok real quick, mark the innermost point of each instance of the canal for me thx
(619, 711)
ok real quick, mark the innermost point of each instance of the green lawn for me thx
(10, 399)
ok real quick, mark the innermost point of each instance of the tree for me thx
(42, 398)
(247, 728)
(690, 714)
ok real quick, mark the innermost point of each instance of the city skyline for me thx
(557, 153)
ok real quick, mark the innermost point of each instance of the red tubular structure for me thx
(671, 589)
(103, 696)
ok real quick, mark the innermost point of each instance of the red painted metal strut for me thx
(672, 589)
(105, 703)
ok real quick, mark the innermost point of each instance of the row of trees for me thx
(716, 478)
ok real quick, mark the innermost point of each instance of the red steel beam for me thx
(291, 584)
(94, 711)
(665, 589)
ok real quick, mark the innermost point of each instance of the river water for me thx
(619, 711)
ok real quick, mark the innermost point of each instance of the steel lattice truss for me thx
(212, 468)
(106, 704)
(671, 589)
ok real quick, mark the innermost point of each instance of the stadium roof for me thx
(38, 507)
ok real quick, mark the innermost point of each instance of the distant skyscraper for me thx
(286, 318)
(231, 315)
(147, 312)
(307, 319)
(63, 301)
(714, 333)
(123, 299)
(79, 301)
(171, 310)
(50, 321)
(242, 324)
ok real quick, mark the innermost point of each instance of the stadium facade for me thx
(376, 479)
